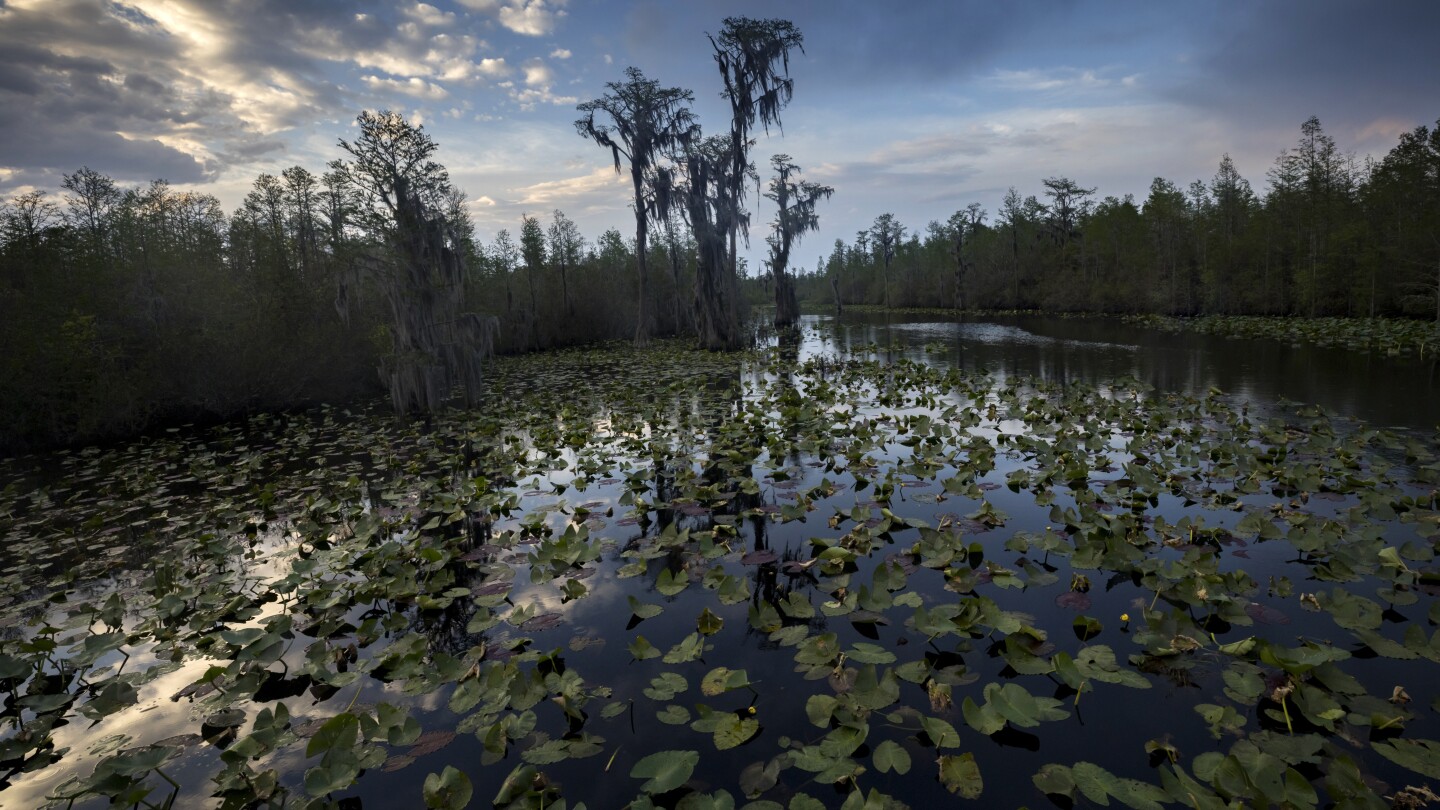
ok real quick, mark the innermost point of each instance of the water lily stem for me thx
(354, 698)
(167, 778)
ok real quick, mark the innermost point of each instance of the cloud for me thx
(537, 73)
(414, 86)
(493, 68)
(444, 56)
(560, 53)
(532, 18)
(600, 187)
(539, 81)
(80, 86)
(1067, 79)
(426, 14)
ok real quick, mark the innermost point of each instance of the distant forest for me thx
(122, 308)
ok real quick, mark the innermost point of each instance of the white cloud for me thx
(414, 86)
(481, 5)
(533, 18)
(538, 74)
(493, 68)
(528, 98)
(447, 57)
(426, 14)
(1037, 80)
(603, 183)
(396, 64)
(560, 53)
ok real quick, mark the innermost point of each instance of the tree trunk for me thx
(787, 309)
(641, 332)
(886, 272)
(565, 288)
(717, 320)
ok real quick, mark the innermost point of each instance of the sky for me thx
(917, 108)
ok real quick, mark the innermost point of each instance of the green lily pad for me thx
(961, 776)
(448, 790)
(665, 770)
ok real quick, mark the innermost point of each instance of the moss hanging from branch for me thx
(435, 345)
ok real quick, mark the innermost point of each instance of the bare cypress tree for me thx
(795, 201)
(646, 121)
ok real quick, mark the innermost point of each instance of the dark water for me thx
(1110, 727)
(1381, 391)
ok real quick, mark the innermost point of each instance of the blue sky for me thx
(917, 108)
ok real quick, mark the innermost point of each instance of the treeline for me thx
(125, 307)
(1330, 236)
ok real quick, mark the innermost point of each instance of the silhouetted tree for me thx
(434, 343)
(566, 247)
(645, 122)
(960, 226)
(390, 149)
(754, 61)
(795, 216)
(710, 212)
(886, 233)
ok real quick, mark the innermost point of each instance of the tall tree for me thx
(301, 199)
(91, 203)
(887, 232)
(961, 226)
(754, 61)
(644, 122)
(388, 150)
(435, 343)
(710, 212)
(1234, 205)
(1164, 213)
(566, 247)
(1067, 206)
(532, 252)
(1312, 185)
(795, 216)
(1019, 215)
(835, 269)
(504, 258)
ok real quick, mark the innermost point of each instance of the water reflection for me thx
(1385, 392)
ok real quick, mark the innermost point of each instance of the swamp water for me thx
(883, 561)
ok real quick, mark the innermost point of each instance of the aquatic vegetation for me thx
(675, 578)
(1388, 336)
